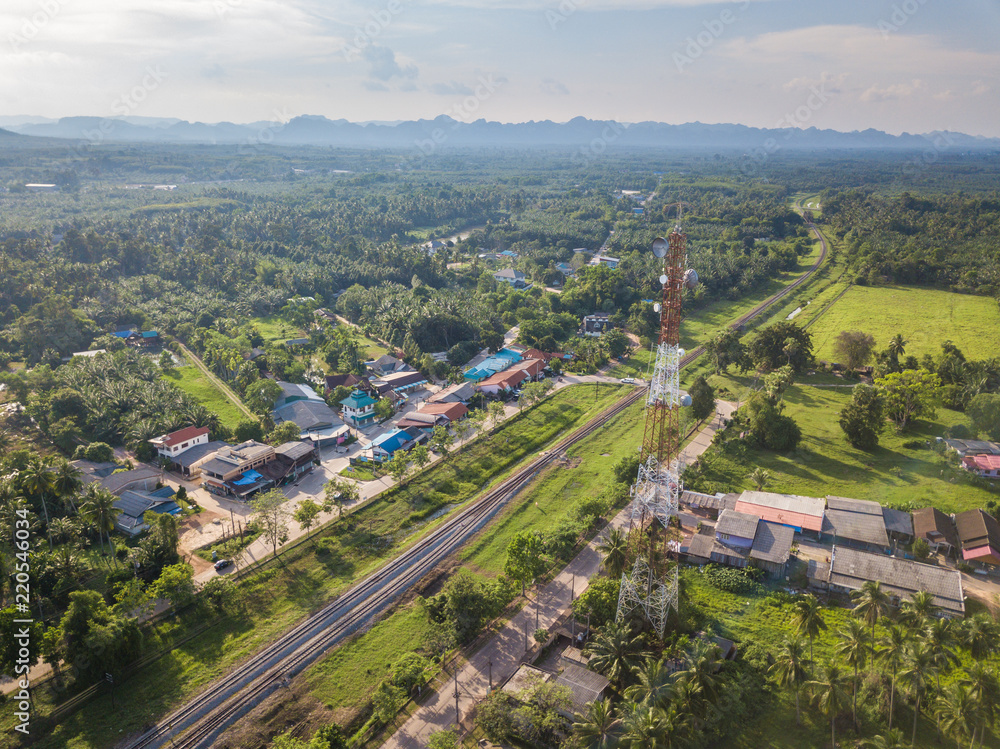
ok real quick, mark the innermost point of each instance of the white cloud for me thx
(892, 92)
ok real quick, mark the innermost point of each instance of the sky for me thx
(894, 65)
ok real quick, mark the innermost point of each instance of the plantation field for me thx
(901, 470)
(924, 317)
(193, 382)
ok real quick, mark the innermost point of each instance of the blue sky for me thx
(895, 65)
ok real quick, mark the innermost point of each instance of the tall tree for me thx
(956, 710)
(269, 512)
(791, 668)
(615, 551)
(892, 655)
(702, 398)
(909, 394)
(853, 646)
(600, 728)
(306, 513)
(808, 618)
(863, 419)
(854, 348)
(918, 672)
(870, 603)
(616, 652)
(524, 558)
(830, 693)
(725, 349)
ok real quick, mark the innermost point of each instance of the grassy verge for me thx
(924, 317)
(276, 329)
(302, 580)
(193, 382)
(231, 546)
(902, 469)
(358, 473)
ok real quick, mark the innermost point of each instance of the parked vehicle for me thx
(628, 380)
(222, 564)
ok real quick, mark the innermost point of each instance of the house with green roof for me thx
(359, 408)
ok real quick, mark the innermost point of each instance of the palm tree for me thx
(870, 602)
(896, 348)
(615, 652)
(99, 509)
(854, 647)
(67, 483)
(985, 690)
(63, 529)
(759, 476)
(791, 668)
(981, 636)
(956, 710)
(653, 686)
(830, 695)
(892, 654)
(643, 727)
(919, 609)
(615, 551)
(941, 640)
(893, 739)
(918, 671)
(600, 728)
(36, 479)
(808, 618)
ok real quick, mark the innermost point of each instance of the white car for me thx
(628, 380)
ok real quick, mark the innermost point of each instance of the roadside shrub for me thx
(734, 580)
(325, 546)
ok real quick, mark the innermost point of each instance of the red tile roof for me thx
(532, 366)
(184, 435)
(983, 462)
(508, 378)
(452, 411)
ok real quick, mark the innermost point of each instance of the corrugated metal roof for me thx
(585, 685)
(857, 526)
(861, 506)
(977, 528)
(791, 502)
(773, 543)
(850, 568)
(740, 524)
(934, 525)
(897, 521)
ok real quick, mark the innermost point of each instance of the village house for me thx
(291, 461)
(383, 447)
(803, 514)
(498, 362)
(987, 466)
(332, 382)
(596, 325)
(510, 276)
(387, 365)
(430, 415)
(932, 525)
(133, 506)
(173, 444)
(534, 368)
(741, 539)
(232, 470)
(850, 569)
(502, 382)
(189, 462)
(605, 260)
(459, 393)
(979, 534)
(855, 522)
(359, 409)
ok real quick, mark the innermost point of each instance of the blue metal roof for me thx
(123, 333)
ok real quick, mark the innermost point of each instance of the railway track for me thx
(205, 717)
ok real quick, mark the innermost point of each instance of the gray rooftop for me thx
(863, 525)
(897, 521)
(738, 524)
(850, 568)
(585, 685)
(789, 502)
(294, 450)
(861, 506)
(773, 542)
(193, 454)
(307, 414)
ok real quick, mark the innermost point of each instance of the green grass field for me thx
(824, 463)
(275, 328)
(193, 382)
(925, 318)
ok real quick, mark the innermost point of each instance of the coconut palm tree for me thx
(600, 728)
(66, 483)
(830, 694)
(63, 529)
(653, 685)
(647, 726)
(985, 690)
(918, 672)
(791, 667)
(980, 635)
(896, 349)
(941, 639)
(615, 551)
(616, 652)
(99, 509)
(919, 609)
(893, 739)
(892, 655)
(808, 618)
(870, 602)
(853, 646)
(759, 476)
(36, 479)
(957, 712)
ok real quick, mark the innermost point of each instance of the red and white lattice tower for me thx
(649, 586)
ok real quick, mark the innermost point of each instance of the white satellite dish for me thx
(663, 280)
(690, 278)
(656, 307)
(685, 400)
(680, 352)
(660, 247)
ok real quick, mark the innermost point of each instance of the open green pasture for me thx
(901, 470)
(193, 382)
(924, 317)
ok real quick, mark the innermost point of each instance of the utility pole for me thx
(456, 696)
(526, 634)
(489, 664)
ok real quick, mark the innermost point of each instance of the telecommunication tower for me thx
(650, 585)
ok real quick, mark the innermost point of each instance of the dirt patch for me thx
(571, 462)
(288, 709)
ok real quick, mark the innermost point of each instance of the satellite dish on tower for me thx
(660, 247)
(663, 280)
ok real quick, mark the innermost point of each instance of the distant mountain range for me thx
(441, 132)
